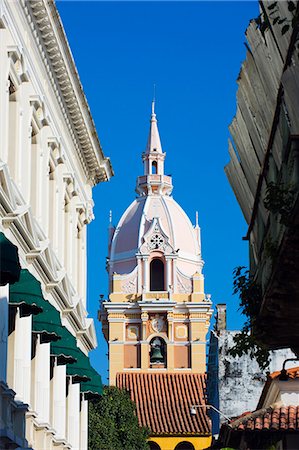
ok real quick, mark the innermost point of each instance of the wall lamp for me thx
(193, 410)
(284, 376)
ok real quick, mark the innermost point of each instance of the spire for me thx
(153, 142)
(154, 181)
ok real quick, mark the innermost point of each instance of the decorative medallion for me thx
(156, 241)
(158, 323)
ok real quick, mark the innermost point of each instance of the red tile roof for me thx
(293, 373)
(163, 401)
(272, 418)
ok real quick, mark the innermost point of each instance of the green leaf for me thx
(272, 6)
(284, 29)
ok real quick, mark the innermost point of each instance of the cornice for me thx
(56, 54)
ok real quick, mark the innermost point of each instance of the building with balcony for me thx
(50, 159)
(264, 169)
(157, 315)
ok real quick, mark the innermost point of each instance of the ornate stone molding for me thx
(30, 238)
(51, 40)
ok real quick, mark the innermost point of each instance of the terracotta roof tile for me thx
(271, 418)
(292, 373)
(163, 401)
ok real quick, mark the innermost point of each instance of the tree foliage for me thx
(250, 300)
(113, 424)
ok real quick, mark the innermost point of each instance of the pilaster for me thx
(41, 382)
(73, 414)
(84, 424)
(58, 400)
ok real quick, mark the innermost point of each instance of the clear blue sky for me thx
(193, 52)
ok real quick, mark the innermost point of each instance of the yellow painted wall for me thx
(169, 443)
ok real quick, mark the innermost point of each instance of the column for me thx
(168, 275)
(145, 275)
(4, 96)
(170, 345)
(19, 364)
(198, 346)
(144, 344)
(60, 222)
(23, 151)
(4, 294)
(41, 381)
(43, 200)
(174, 276)
(73, 414)
(84, 424)
(139, 275)
(58, 400)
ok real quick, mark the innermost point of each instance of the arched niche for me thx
(157, 275)
(158, 352)
(185, 446)
(153, 445)
(154, 168)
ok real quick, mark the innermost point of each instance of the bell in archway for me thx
(156, 353)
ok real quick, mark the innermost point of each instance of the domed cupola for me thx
(154, 264)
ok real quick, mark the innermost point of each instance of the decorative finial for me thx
(196, 219)
(110, 216)
(154, 100)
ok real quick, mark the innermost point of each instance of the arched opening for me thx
(157, 275)
(153, 445)
(184, 446)
(154, 167)
(158, 354)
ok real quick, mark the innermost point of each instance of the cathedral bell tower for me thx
(157, 315)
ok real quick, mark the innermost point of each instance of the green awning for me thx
(9, 262)
(78, 364)
(26, 294)
(65, 349)
(94, 387)
(48, 323)
(80, 371)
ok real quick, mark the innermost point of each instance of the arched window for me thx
(157, 275)
(153, 445)
(158, 352)
(184, 446)
(154, 167)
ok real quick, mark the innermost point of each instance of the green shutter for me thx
(66, 348)
(48, 323)
(26, 294)
(93, 387)
(9, 262)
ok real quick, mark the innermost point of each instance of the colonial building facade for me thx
(264, 168)
(158, 314)
(50, 158)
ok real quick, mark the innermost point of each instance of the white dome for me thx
(135, 223)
